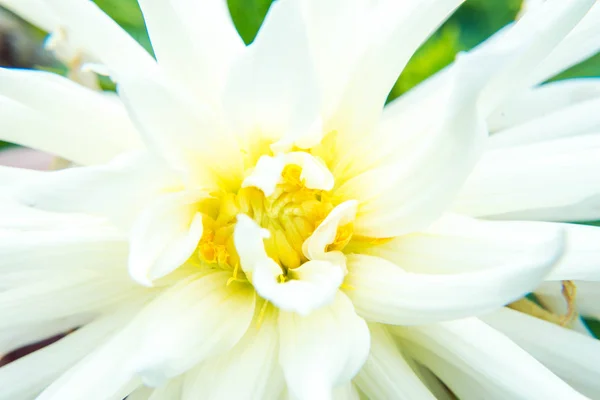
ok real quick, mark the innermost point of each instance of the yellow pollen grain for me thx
(291, 215)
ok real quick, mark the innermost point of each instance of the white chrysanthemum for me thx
(286, 233)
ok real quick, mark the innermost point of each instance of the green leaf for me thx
(128, 15)
(248, 16)
(436, 53)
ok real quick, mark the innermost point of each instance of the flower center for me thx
(291, 214)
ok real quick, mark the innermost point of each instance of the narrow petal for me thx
(164, 236)
(14, 338)
(101, 374)
(199, 318)
(386, 374)
(32, 256)
(581, 259)
(47, 112)
(487, 356)
(182, 131)
(578, 119)
(28, 376)
(407, 193)
(322, 350)
(530, 39)
(394, 32)
(19, 217)
(267, 173)
(463, 244)
(194, 42)
(514, 181)
(172, 390)
(141, 393)
(315, 246)
(251, 364)
(272, 87)
(569, 354)
(580, 44)
(346, 392)
(102, 37)
(384, 292)
(117, 190)
(542, 101)
(313, 285)
(65, 296)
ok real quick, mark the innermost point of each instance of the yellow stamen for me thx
(569, 292)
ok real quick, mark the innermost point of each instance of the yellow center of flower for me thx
(290, 214)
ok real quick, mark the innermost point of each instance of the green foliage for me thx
(479, 19)
(248, 16)
(127, 13)
(435, 54)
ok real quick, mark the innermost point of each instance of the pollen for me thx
(291, 214)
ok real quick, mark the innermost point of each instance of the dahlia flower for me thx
(254, 222)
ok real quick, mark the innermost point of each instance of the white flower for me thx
(267, 206)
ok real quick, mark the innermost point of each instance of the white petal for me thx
(28, 376)
(267, 173)
(313, 285)
(194, 320)
(523, 46)
(581, 43)
(346, 392)
(406, 194)
(463, 244)
(50, 113)
(581, 259)
(578, 119)
(314, 247)
(101, 374)
(530, 39)
(249, 370)
(456, 381)
(63, 296)
(384, 292)
(194, 42)
(542, 101)
(141, 393)
(164, 236)
(33, 256)
(570, 355)
(172, 390)
(248, 238)
(386, 374)
(336, 31)
(34, 11)
(182, 131)
(23, 335)
(394, 32)
(272, 87)
(487, 356)
(117, 190)
(322, 350)
(547, 175)
(102, 37)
